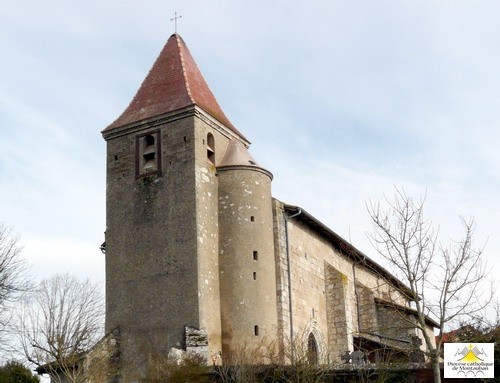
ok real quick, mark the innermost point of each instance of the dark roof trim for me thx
(407, 310)
(346, 248)
(370, 335)
(55, 366)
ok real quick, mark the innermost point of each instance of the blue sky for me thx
(341, 100)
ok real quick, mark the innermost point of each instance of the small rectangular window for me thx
(211, 148)
(256, 330)
(255, 255)
(254, 276)
(252, 218)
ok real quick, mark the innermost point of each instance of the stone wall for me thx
(282, 286)
(246, 256)
(313, 297)
(366, 306)
(393, 323)
(323, 291)
(151, 260)
(207, 227)
(162, 271)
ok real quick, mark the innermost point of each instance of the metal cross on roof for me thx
(175, 18)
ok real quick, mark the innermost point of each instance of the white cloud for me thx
(342, 100)
(55, 254)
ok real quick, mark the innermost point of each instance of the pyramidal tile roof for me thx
(174, 82)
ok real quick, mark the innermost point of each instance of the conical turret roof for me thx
(174, 82)
(237, 155)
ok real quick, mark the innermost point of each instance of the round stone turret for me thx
(246, 245)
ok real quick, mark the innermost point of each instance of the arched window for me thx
(312, 350)
(211, 148)
(149, 140)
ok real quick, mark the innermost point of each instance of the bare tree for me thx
(447, 281)
(59, 323)
(13, 278)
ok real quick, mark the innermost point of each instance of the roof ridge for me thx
(183, 68)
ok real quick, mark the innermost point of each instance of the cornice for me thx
(192, 110)
(147, 124)
(245, 167)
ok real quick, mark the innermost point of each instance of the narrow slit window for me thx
(211, 148)
(252, 218)
(256, 330)
(254, 276)
(255, 255)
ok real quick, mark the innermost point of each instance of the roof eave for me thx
(408, 310)
(347, 248)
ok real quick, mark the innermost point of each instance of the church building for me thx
(201, 257)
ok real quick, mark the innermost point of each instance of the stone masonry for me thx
(199, 255)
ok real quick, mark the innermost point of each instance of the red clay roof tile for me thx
(174, 82)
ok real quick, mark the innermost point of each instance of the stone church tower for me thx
(201, 257)
(174, 161)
